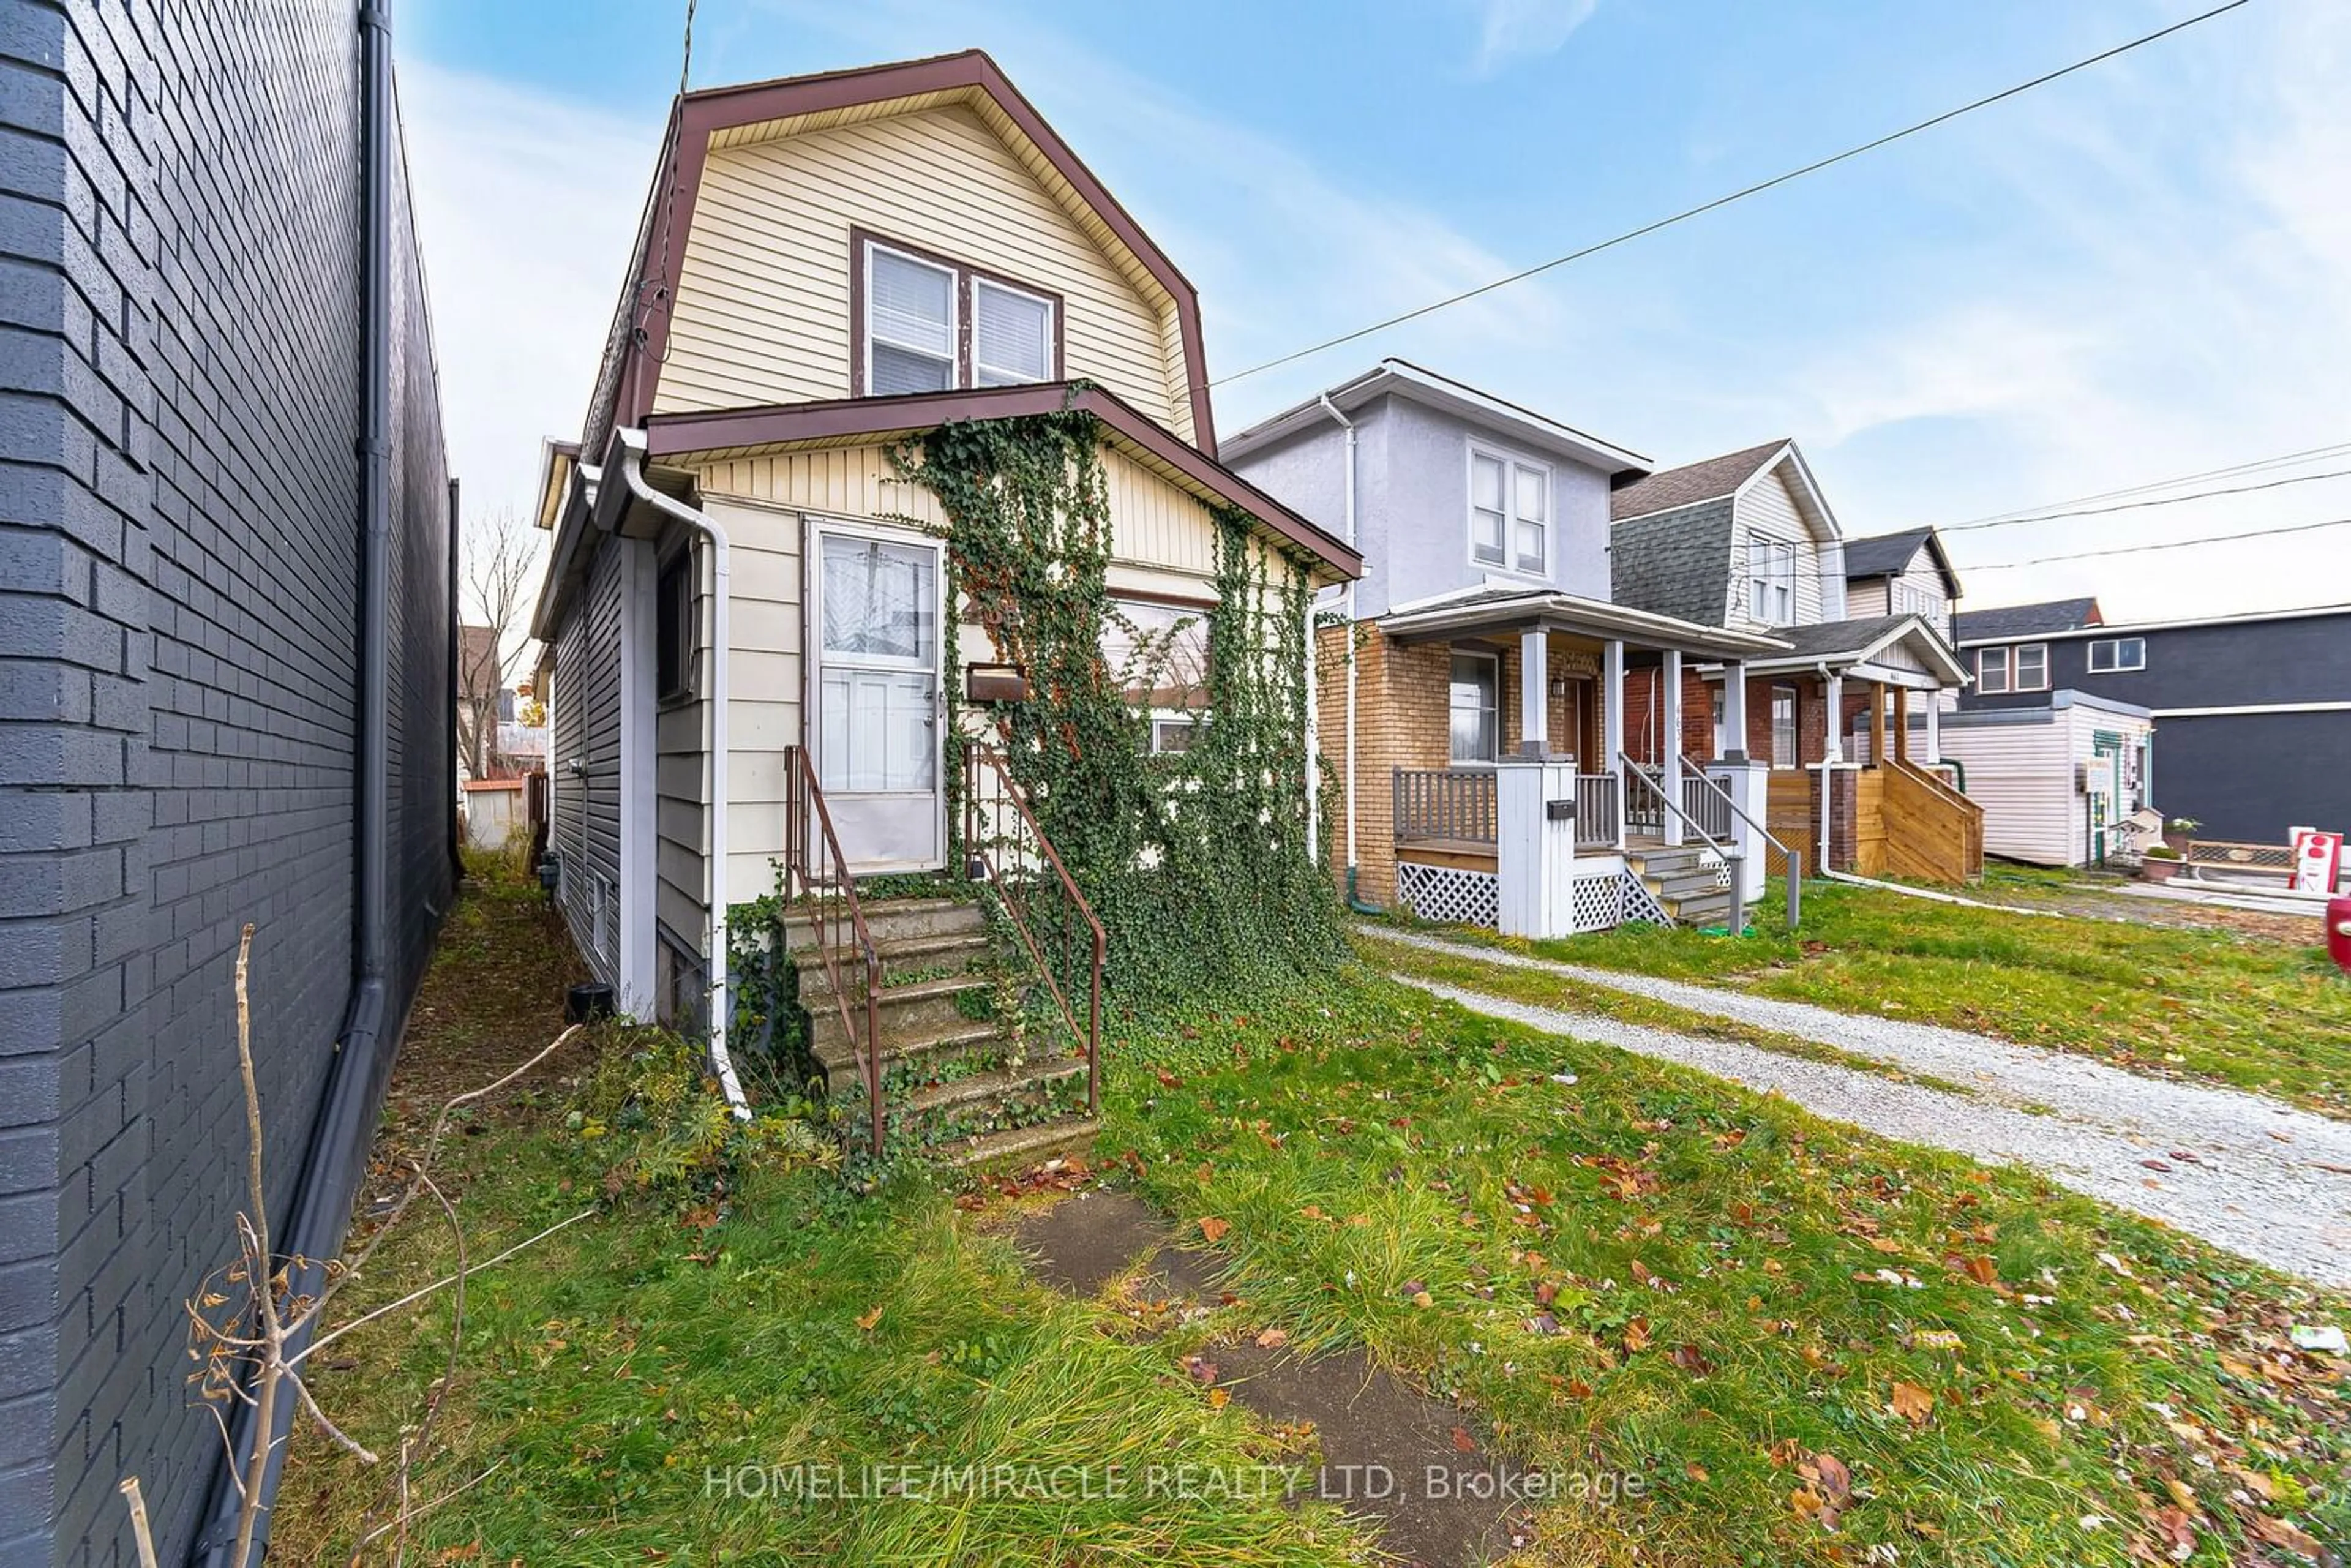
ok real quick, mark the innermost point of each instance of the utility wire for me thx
(2164, 544)
(2251, 465)
(1740, 196)
(2136, 506)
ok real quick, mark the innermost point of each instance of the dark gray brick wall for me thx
(180, 376)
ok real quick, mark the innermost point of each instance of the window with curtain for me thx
(879, 664)
(1770, 580)
(1510, 513)
(933, 325)
(1475, 695)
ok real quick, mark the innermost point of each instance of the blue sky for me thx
(2138, 272)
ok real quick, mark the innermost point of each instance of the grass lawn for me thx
(2221, 1006)
(1808, 1345)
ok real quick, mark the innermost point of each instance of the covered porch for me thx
(1511, 800)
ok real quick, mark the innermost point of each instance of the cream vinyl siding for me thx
(1923, 588)
(1163, 542)
(1769, 509)
(1865, 600)
(763, 300)
(2022, 776)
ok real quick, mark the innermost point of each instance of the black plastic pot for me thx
(587, 1002)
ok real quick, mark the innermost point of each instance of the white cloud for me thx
(525, 207)
(1515, 29)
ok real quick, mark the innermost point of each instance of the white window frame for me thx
(1760, 585)
(1494, 662)
(954, 314)
(1795, 727)
(1984, 683)
(979, 366)
(1512, 463)
(1191, 718)
(2016, 681)
(2115, 666)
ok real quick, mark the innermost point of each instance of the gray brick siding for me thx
(180, 375)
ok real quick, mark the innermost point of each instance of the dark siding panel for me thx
(2250, 777)
(587, 830)
(179, 548)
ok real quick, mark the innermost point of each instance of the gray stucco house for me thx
(1475, 703)
(2253, 711)
(226, 532)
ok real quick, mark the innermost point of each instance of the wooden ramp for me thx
(1930, 830)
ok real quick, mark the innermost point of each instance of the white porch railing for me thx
(1598, 807)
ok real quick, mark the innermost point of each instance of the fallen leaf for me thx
(1546, 1293)
(2278, 1532)
(1695, 1472)
(1912, 1402)
(1214, 1229)
(869, 1320)
(1273, 1338)
(1835, 1480)
(1637, 1334)
(1464, 1441)
(1219, 1397)
(1692, 1360)
(1982, 1269)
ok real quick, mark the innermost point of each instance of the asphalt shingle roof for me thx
(2028, 619)
(1886, 555)
(1676, 564)
(1691, 483)
(1826, 639)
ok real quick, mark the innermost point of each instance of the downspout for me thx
(1353, 903)
(628, 460)
(327, 1182)
(1832, 745)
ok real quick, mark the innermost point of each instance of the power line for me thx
(1740, 196)
(2251, 465)
(2136, 505)
(2165, 544)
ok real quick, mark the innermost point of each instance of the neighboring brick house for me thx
(202, 488)
(1482, 636)
(1746, 541)
(2252, 712)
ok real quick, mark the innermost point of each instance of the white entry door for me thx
(877, 699)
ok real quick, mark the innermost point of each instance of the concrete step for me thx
(1025, 1146)
(899, 1011)
(1024, 1094)
(962, 1037)
(904, 961)
(895, 920)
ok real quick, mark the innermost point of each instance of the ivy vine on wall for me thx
(1198, 862)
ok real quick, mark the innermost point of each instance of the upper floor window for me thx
(1770, 580)
(1909, 599)
(929, 324)
(2115, 655)
(2024, 668)
(1510, 513)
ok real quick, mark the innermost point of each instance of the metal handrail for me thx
(1736, 920)
(1795, 862)
(805, 808)
(979, 754)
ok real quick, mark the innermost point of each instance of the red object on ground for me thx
(2338, 933)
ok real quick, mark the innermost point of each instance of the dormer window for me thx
(1510, 513)
(924, 323)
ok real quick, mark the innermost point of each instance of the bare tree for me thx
(500, 554)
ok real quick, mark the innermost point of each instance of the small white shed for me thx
(2054, 780)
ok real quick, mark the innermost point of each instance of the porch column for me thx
(1902, 724)
(1833, 747)
(1877, 724)
(1733, 748)
(1612, 726)
(1934, 730)
(1534, 692)
(1671, 743)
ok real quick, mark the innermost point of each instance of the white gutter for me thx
(629, 449)
(1349, 426)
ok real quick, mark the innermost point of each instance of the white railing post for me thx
(1611, 727)
(1534, 851)
(1671, 676)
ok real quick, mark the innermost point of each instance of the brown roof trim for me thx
(776, 424)
(699, 114)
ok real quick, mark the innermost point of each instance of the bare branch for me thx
(331, 1335)
(341, 1436)
(408, 1514)
(456, 1333)
(139, 1532)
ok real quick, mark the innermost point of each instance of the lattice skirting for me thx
(1640, 903)
(1449, 894)
(1596, 902)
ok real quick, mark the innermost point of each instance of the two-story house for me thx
(1746, 541)
(1472, 684)
(2253, 711)
(747, 607)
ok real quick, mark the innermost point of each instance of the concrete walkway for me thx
(2247, 1172)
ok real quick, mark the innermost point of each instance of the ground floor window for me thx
(1784, 726)
(1475, 704)
(1158, 653)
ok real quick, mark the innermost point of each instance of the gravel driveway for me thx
(2252, 1174)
